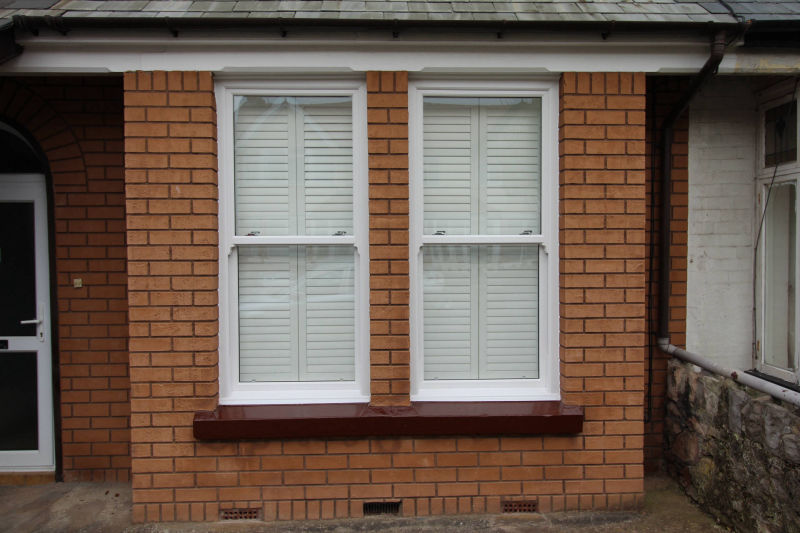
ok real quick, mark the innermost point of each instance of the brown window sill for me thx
(233, 422)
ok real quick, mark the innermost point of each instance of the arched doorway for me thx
(26, 387)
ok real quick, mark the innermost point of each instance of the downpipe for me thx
(667, 131)
(761, 385)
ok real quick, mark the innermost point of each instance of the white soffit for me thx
(94, 51)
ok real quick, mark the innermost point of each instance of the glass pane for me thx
(17, 269)
(293, 165)
(481, 312)
(780, 134)
(296, 313)
(19, 417)
(482, 165)
(779, 280)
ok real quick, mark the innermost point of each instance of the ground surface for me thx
(105, 508)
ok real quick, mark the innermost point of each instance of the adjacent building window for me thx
(777, 345)
(484, 261)
(293, 242)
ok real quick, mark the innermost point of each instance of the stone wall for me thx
(734, 450)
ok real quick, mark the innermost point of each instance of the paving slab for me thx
(105, 507)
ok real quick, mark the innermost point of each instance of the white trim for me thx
(246, 51)
(788, 172)
(312, 239)
(483, 239)
(774, 96)
(31, 187)
(547, 387)
(232, 391)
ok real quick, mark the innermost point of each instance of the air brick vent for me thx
(519, 506)
(240, 514)
(376, 508)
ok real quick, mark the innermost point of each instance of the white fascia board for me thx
(87, 51)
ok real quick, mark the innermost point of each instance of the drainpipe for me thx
(762, 385)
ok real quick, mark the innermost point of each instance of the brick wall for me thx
(722, 156)
(172, 264)
(77, 122)
(663, 92)
(171, 199)
(602, 201)
(387, 117)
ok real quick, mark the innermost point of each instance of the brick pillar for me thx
(387, 115)
(171, 200)
(662, 94)
(602, 289)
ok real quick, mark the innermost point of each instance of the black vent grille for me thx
(519, 506)
(373, 508)
(240, 514)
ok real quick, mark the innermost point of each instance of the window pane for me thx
(296, 313)
(293, 165)
(780, 134)
(482, 165)
(480, 307)
(779, 281)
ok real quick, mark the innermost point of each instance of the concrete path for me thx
(105, 508)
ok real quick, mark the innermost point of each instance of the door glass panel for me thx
(779, 305)
(18, 404)
(17, 269)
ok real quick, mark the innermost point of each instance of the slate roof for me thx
(681, 11)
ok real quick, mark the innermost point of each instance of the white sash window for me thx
(293, 243)
(484, 261)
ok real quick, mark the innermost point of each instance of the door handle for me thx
(38, 322)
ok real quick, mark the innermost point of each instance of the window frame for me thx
(784, 173)
(231, 390)
(546, 386)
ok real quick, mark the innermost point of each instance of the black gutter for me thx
(667, 134)
(9, 49)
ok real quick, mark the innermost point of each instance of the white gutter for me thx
(762, 385)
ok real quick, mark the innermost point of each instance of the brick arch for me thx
(77, 123)
(24, 109)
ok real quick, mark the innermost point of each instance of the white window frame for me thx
(231, 390)
(785, 173)
(546, 386)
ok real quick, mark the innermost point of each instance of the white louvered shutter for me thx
(449, 321)
(268, 333)
(327, 165)
(448, 164)
(263, 170)
(510, 167)
(482, 176)
(509, 311)
(293, 167)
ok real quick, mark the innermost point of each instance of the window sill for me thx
(234, 422)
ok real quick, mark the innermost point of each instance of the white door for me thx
(26, 391)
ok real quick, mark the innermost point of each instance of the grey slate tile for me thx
(455, 10)
(31, 4)
(211, 7)
(162, 6)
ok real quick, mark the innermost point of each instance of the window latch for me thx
(439, 232)
(527, 232)
(254, 234)
(340, 233)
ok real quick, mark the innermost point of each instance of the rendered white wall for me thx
(722, 136)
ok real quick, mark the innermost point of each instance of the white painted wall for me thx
(722, 140)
